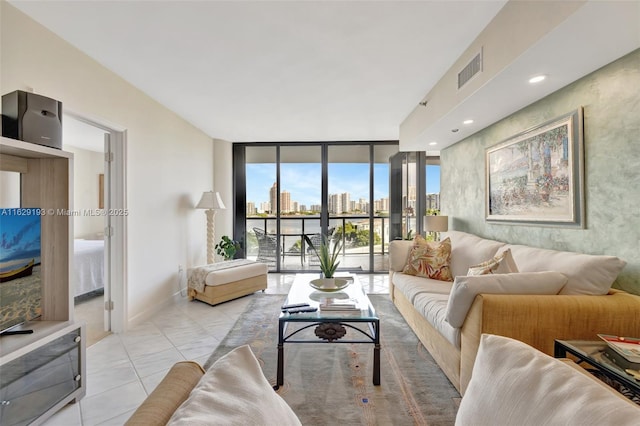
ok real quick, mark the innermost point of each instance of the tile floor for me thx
(122, 369)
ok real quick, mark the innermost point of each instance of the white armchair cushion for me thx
(515, 384)
(234, 391)
(466, 288)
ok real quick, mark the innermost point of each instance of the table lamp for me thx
(436, 224)
(211, 202)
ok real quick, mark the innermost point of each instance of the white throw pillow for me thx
(234, 391)
(466, 288)
(515, 384)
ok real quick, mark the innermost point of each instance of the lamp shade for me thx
(211, 200)
(436, 223)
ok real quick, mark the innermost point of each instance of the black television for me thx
(20, 278)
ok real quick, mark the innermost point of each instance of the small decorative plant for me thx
(227, 247)
(328, 257)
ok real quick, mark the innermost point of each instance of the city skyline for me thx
(302, 182)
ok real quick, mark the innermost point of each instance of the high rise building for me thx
(273, 198)
(251, 208)
(345, 202)
(335, 204)
(433, 201)
(285, 202)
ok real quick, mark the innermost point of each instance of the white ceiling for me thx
(319, 70)
(275, 71)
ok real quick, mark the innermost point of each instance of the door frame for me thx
(116, 193)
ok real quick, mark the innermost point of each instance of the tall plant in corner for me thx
(327, 256)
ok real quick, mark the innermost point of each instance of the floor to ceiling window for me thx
(415, 192)
(286, 191)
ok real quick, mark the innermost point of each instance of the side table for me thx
(592, 352)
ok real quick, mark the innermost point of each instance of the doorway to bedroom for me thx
(94, 195)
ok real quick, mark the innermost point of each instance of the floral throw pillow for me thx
(501, 264)
(430, 259)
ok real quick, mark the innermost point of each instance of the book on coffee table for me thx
(627, 347)
(339, 305)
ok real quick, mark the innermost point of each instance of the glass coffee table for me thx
(593, 353)
(358, 326)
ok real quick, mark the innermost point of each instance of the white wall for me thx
(87, 167)
(223, 183)
(169, 161)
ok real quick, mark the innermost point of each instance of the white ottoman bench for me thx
(223, 281)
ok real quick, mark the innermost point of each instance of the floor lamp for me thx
(436, 224)
(211, 202)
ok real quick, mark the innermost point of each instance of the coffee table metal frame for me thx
(337, 319)
(591, 352)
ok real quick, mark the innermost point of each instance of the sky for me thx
(19, 235)
(303, 181)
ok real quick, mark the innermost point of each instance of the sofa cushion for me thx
(469, 249)
(430, 259)
(234, 391)
(433, 307)
(587, 274)
(515, 384)
(411, 285)
(500, 264)
(466, 288)
(398, 253)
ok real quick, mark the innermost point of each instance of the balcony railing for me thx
(294, 252)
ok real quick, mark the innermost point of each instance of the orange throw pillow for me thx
(430, 259)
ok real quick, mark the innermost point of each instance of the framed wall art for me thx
(537, 176)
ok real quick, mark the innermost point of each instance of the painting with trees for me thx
(536, 176)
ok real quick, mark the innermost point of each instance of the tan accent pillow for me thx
(430, 259)
(501, 264)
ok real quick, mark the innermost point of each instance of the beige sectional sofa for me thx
(584, 306)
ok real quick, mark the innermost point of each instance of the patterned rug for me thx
(330, 384)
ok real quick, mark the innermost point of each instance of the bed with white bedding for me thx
(88, 269)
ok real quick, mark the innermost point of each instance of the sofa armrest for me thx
(172, 391)
(540, 319)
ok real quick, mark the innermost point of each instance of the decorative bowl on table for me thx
(329, 284)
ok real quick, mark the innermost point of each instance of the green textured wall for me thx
(610, 97)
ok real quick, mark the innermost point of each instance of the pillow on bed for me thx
(500, 264)
(466, 288)
(430, 259)
(234, 391)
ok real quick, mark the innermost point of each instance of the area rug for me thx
(331, 384)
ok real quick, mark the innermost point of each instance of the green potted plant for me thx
(327, 256)
(227, 247)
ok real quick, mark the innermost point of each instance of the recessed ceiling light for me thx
(433, 143)
(537, 79)
(467, 122)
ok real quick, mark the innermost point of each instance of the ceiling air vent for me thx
(472, 68)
